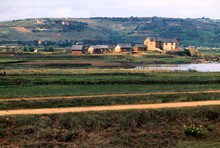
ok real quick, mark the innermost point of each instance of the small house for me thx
(140, 48)
(98, 49)
(41, 22)
(123, 48)
(153, 43)
(110, 49)
(65, 22)
(77, 49)
(171, 44)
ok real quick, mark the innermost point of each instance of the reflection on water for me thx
(211, 67)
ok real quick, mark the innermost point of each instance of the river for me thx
(210, 67)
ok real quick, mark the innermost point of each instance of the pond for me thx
(210, 67)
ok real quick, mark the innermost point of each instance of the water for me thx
(210, 67)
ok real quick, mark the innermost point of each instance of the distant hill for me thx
(199, 32)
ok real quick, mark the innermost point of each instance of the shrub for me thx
(210, 128)
(2, 135)
(193, 130)
(66, 136)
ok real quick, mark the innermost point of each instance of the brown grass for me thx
(22, 29)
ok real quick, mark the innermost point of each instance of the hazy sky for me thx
(20, 9)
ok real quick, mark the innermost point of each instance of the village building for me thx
(39, 42)
(110, 49)
(77, 49)
(123, 48)
(140, 48)
(153, 43)
(65, 22)
(41, 22)
(79, 43)
(98, 49)
(171, 44)
(162, 44)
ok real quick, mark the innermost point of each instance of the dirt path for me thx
(107, 95)
(106, 108)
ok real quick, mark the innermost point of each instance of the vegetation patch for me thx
(140, 128)
(104, 101)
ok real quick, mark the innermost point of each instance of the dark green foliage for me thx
(48, 49)
(31, 49)
(2, 135)
(193, 130)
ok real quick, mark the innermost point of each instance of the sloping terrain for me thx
(200, 32)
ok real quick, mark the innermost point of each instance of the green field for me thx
(212, 52)
(106, 100)
(66, 84)
(66, 75)
(61, 76)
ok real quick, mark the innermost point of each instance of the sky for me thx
(21, 9)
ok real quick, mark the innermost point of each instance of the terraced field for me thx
(43, 102)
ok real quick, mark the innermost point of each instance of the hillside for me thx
(200, 32)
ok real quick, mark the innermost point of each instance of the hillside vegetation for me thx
(200, 32)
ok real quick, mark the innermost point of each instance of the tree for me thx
(31, 49)
(48, 49)
(25, 49)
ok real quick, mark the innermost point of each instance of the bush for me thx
(2, 135)
(210, 128)
(193, 130)
(66, 136)
(48, 49)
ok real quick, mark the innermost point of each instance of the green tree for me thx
(25, 49)
(31, 49)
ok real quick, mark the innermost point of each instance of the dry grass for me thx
(22, 29)
(77, 71)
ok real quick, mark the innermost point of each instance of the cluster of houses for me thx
(43, 22)
(150, 44)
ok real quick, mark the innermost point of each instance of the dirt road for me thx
(107, 95)
(106, 108)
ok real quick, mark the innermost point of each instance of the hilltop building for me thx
(65, 22)
(41, 22)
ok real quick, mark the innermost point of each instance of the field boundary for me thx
(107, 95)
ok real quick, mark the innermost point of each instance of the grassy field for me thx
(66, 75)
(66, 84)
(210, 52)
(36, 75)
(147, 58)
(143, 128)
(107, 100)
